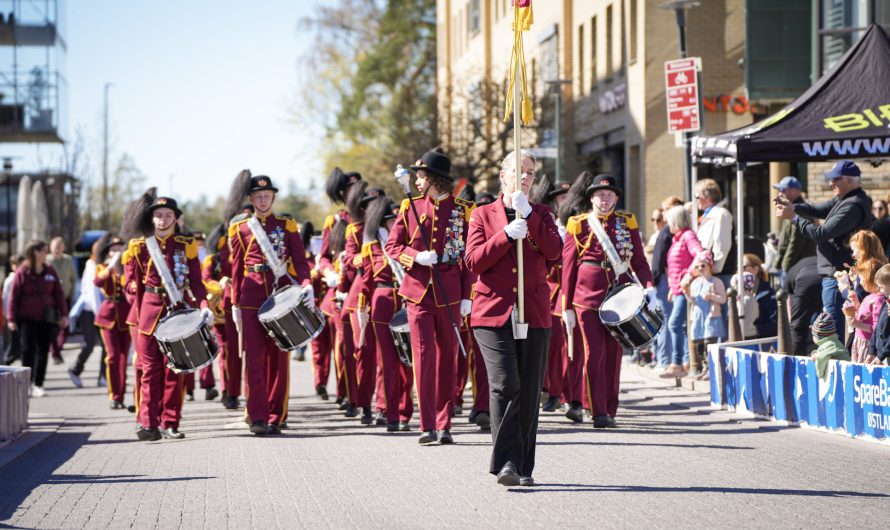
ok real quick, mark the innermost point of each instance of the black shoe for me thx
(322, 392)
(612, 424)
(551, 405)
(427, 438)
(445, 437)
(351, 410)
(601, 421)
(301, 355)
(508, 476)
(367, 419)
(57, 360)
(339, 400)
(75, 378)
(575, 413)
(380, 420)
(283, 425)
(148, 435)
(171, 433)
(117, 405)
(404, 427)
(392, 426)
(259, 428)
(229, 402)
(210, 394)
(273, 429)
(483, 420)
(457, 410)
(526, 481)
(472, 417)
(190, 396)
(131, 409)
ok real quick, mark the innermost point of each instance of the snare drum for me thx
(289, 320)
(628, 318)
(401, 336)
(186, 340)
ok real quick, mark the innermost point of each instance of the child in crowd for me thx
(828, 345)
(747, 303)
(879, 344)
(706, 295)
(862, 316)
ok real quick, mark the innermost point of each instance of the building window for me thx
(594, 74)
(842, 23)
(623, 38)
(473, 15)
(633, 31)
(581, 59)
(610, 59)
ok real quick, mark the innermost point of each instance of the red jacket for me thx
(326, 261)
(445, 224)
(251, 287)
(492, 255)
(30, 293)
(113, 311)
(585, 283)
(351, 277)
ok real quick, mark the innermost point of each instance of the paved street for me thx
(673, 463)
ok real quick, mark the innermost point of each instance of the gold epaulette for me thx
(631, 218)
(328, 222)
(366, 248)
(574, 225)
(191, 246)
(468, 206)
(290, 224)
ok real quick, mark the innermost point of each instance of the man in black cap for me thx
(846, 213)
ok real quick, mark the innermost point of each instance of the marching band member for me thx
(216, 272)
(515, 365)
(111, 316)
(253, 281)
(162, 390)
(443, 220)
(377, 304)
(557, 358)
(587, 277)
(322, 345)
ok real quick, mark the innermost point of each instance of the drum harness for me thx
(154, 250)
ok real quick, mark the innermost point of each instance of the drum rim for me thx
(628, 319)
(195, 369)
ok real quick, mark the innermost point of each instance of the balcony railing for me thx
(32, 105)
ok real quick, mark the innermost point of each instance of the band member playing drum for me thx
(162, 390)
(111, 318)
(377, 304)
(588, 276)
(253, 281)
(443, 223)
(515, 365)
(216, 272)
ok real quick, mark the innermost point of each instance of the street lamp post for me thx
(556, 85)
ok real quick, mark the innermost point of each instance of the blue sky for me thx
(201, 89)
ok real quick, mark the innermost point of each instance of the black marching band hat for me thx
(604, 182)
(165, 202)
(434, 161)
(371, 194)
(392, 211)
(560, 189)
(112, 242)
(484, 198)
(261, 183)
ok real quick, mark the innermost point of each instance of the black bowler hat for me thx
(371, 194)
(165, 202)
(604, 182)
(434, 161)
(261, 183)
(112, 242)
(484, 198)
(392, 211)
(562, 189)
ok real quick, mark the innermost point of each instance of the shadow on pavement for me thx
(585, 488)
(115, 479)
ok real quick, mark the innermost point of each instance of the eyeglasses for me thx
(748, 266)
(879, 208)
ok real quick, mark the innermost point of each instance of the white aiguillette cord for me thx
(259, 234)
(154, 250)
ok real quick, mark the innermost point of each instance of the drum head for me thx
(622, 303)
(179, 325)
(399, 322)
(280, 303)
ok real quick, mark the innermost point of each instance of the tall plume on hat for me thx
(374, 214)
(576, 201)
(307, 230)
(212, 243)
(337, 185)
(137, 220)
(538, 193)
(354, 201)
(238, 195)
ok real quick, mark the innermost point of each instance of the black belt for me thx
(262, 267)
(601, 264)
(385, 285)
(155, 290)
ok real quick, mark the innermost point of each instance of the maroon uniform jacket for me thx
(492, 255)
(445, 224)
(586, 274)
(327, 262)
(252, 278)
(30, 293)
(351, 280)
(181, 255)
(375, 269)
(113, 311)
(554, 281)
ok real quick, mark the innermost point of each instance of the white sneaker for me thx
(38, 392)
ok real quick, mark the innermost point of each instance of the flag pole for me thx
(517, 139)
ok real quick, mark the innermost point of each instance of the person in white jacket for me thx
(715, 226)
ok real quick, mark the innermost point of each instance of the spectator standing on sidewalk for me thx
(36, 309)
(90, 299)
(12, 345)
(715, 225)
(804, 286)
(662, 244)
(64, 266)
(846, 213)
(793, 245)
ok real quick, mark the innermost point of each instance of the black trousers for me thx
(36, 336)
(90, 340)
(515, 375)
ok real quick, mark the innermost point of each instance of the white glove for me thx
(517, 229)
(340, 296)
(520, 203)
(562, 232)
(363, 315)
(568, 316)
(309, 295)
(331, 278)
(465, 307)
(207, 315)
(426, 258)
(650, 297)
(236, 318)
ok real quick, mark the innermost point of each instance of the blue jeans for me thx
(663, 348)
(832, 301)
(677, 330)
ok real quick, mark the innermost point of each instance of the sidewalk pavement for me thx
(673, 462)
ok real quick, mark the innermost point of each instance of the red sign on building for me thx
(681, 81)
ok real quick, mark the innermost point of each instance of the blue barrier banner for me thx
(868, 400)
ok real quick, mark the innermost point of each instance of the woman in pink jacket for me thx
(684, 247)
